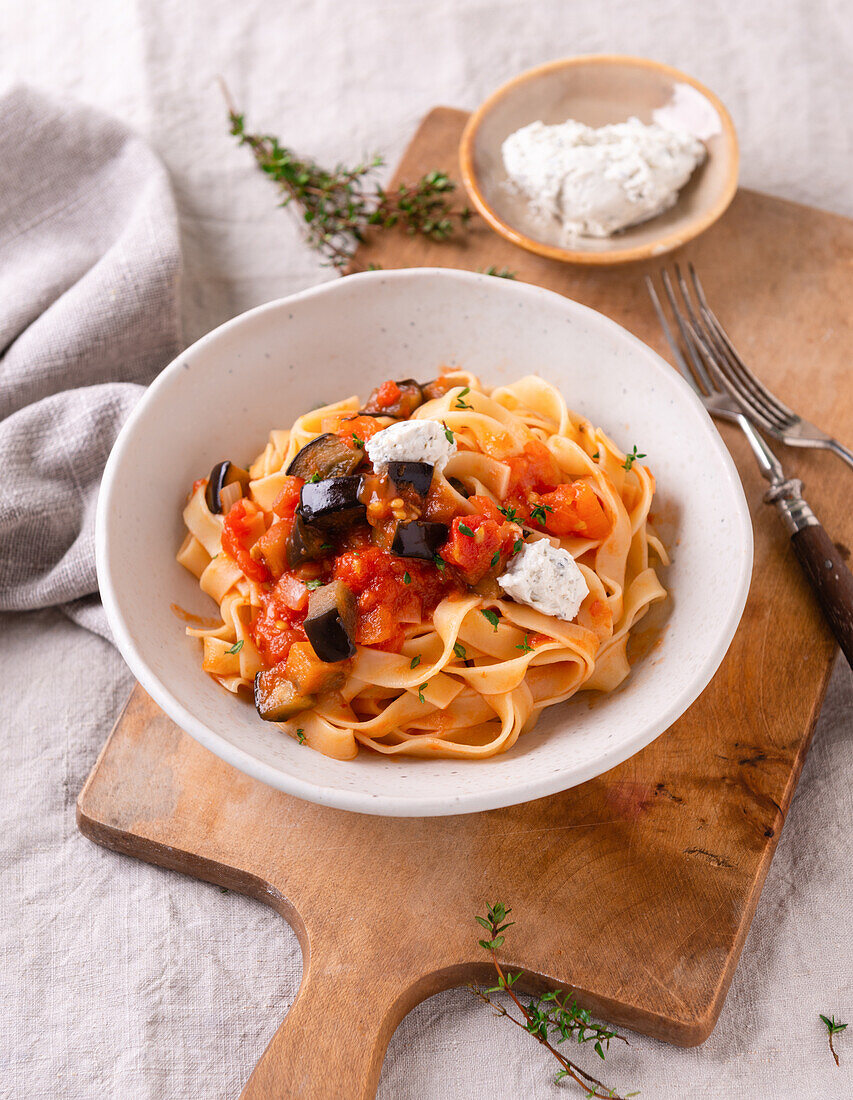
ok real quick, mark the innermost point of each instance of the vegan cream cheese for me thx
(595, 182)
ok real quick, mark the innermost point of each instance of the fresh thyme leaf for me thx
(525, 646)
(314, 478)
(632, 458)
(406, 578)
(496, 557)
(440, 563)
(460, 404)
(503, 273)
(416, 660)
(300, 736)
(510, 513)
(538, 512)
(517, 545)
(833, 1027)
(315, 584)
(326, 546)
(337, 206)
(493, 617)
(236, 647)
(448, 434)
(358, 442)
(421, 690)
(596, 455)
(466, 530)
(460, 651)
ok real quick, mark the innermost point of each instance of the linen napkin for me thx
(89, 274)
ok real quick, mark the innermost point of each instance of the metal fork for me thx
(704, 366)
(763, 407)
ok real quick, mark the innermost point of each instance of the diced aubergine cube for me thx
(411, 475)
(223, 474)
(418, 539)
(325, 456)
(308, 674)
(330, 622)
(331, 503)
(411, 396)
(304, 544)
(276, 698)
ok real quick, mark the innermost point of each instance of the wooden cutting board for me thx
(637, 888)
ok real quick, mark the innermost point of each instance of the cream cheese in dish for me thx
(595, 182)
(546, 578)
(411, 441)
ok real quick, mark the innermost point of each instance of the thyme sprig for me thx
(833, 1026)
(552, 1016)
(339, 205)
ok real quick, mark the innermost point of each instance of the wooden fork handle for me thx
(831, 580)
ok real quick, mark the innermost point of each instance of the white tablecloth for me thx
(122, 980)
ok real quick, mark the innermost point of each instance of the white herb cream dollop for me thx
(595, 182)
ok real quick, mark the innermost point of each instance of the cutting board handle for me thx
(333, 1040)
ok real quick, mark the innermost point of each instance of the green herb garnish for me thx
(551, 1016)
(416, 660)
(502, 273)
(493, 617)
(510, 513)
(595, 455)
(358, 442)
(466, 530)
(525, 646)
(440, 563)
(448, 434)
(407, 579)
(339, 205)
(833, 1028)
(460, 404)
(421, 690)
(459, 650)
(496, 557)
(517, 545)
(236, 647)
(632, 458)
(300, 736)
(314, 478)
(538, 513)
(315, 584)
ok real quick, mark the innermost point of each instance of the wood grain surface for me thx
(636, 889)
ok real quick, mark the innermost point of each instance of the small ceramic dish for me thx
(222, 396)
(599, 90)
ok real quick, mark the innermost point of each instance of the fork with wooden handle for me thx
(707, 368)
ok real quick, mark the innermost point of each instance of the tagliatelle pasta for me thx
(441, 662)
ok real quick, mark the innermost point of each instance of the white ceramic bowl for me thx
(221, 398)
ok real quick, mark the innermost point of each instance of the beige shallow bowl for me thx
(597, 90)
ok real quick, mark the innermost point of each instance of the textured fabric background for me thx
(121, 980)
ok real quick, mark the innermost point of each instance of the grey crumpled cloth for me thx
(89, 272)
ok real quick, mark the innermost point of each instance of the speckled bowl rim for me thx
(437, 803)
(668, 241)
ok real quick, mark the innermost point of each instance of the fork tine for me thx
(700, 373)
(716, 358)
(680, 361)
(775, 410)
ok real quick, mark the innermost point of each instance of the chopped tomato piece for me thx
(477, 544)
(243, 526)
(575, 510)
(356, 430)
(487, 507)
(271, 548)
(535, 469)
(386, 394)
(285, 503)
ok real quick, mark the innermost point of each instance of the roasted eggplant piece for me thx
(305, 543)
(331, 503)
(411, 396)
(325, 456)
(456, 484)
(223, 474)
(330, 622)
(418, 539)
(276, 698)
(411, 475)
